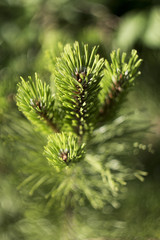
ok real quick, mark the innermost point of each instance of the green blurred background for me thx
(28, 29)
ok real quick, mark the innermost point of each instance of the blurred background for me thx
(28, 29)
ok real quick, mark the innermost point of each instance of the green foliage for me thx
(114, 148)
(119, 76)
(63, 150)
(80, 92)
(78, 74)
(83, 86)
(36, 101)
(84, 90)
(103, 171)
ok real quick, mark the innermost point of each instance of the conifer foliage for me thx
(78, 75)
(88, 90)
(63, 149)
(119, 76)
(36, 101)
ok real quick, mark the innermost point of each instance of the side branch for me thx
(115, 91)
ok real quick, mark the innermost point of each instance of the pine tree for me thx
(89, 147)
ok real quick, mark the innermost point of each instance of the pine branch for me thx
(81, 91)
(78, 74)
(36, 102)
(63, 149)
(118, 78)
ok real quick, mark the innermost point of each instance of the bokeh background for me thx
(28, 29)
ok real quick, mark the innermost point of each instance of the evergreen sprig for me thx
(119, 76)
(35, 100)
(63, 149)
(86, 88)
(78, 74)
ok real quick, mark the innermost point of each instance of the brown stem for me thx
(49, 122)
(42, 113)
(114, 92)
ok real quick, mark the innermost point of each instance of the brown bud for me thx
(64, 157)
(119, 89)
(38, 104)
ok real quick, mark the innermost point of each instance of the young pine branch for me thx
(78, 75)
(63, 149)
(88, 90)
(119, 76)
(35, 100)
